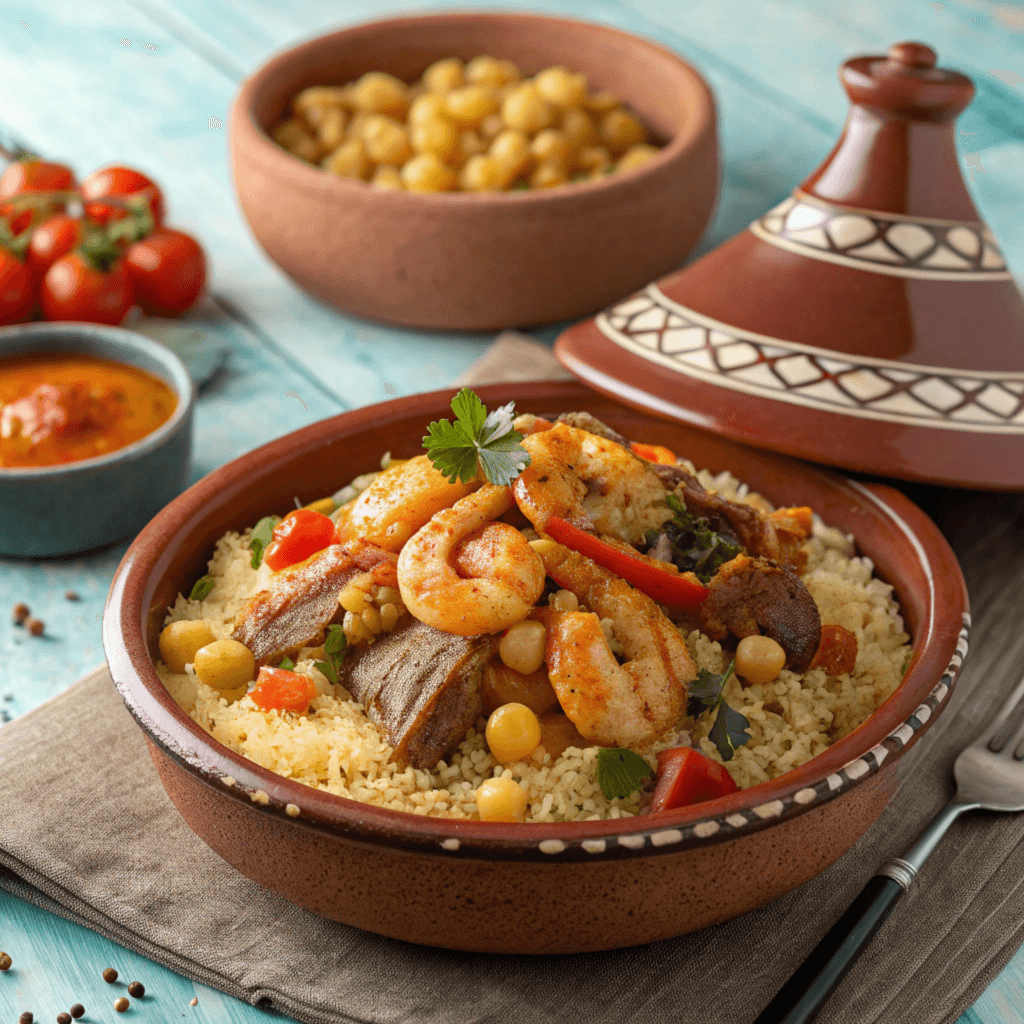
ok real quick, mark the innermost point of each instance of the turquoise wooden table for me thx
(149, 82)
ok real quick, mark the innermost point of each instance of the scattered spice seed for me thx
(63, 1018)
(71, 596)
(26, 1018)
(109, 975)
(195, 1001)
(76, 1011)
(35, 626)
(121, 1004)
(20, 613)
(5, 961)
(136, 989)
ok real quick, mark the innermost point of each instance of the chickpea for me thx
(491, 126)
(225, 664)
(548, 175)
(564, 601)
(550, 146)
(593, 158)
(389, 611)
(444, 75)
(578, 128)
(511, 149)
(636, 156)
(349, 160)
(487, 70)
(294, 137)
(330, 132)
(502, 685)
(371, 619)
(357, 124)
(522, 646)
(380, 93)
(180, 640)
(427, 173)
(353, 599)
(470, 104)
(481, 174)
(314, 102)
(759, 659)
(470, 144)
(619, 131)
(425, 107)
(355, 629)
(501, 800)
(601, 102)
(513, 732)
(560, 86)
(387, 178)
(524, 108)
(387, 141)
(435, 135)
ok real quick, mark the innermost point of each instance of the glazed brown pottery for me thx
(526, 888)
(479, 261)
(868, 321)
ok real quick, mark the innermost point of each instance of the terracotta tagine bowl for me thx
(479, 261)
(869, 321)
(527, 888)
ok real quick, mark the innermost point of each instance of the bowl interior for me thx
(654, 82)
(171, 553)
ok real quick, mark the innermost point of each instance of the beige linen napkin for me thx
(87, 832)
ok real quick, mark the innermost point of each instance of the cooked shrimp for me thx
(590, 481)
(400, 501)
(628, 705)
(463, 573)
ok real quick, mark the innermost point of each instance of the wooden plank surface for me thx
(137, 82)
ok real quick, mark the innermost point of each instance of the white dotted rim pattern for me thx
(660, 330)
(729, 825)
(884, 243)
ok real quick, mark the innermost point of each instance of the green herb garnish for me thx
(286, 663)
(476, 439)
(620, 771)
(261, 535)
(696, 547)
(201, 589)
(335, 647)
(730, 727)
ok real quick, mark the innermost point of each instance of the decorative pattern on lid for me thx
(884, 243)
(651, 325)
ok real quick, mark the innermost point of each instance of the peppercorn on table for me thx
(149, 83)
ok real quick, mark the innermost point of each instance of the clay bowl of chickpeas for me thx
(475, 171)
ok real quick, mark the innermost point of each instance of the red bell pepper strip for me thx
(654, 453)
(278, 689)
(665, 587)
(300, 534)
(686, 777)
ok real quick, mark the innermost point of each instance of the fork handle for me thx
(799, 999)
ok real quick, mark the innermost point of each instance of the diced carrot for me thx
(277, 689)
(654, 453)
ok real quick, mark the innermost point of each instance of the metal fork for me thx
(989, 776)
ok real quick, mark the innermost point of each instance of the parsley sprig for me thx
(696, 547)
(261, 534)
(477, 438)
(620, 771)
(730, 727)
(335, 649)
(201, 589)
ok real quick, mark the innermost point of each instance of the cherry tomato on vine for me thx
(17, 290)
(24, 177)
(169, 270)
(119, 183)
(74, 289)
(50, 241)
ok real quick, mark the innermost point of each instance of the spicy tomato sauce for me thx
(63, 407)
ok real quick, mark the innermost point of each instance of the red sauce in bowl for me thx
(61, 407)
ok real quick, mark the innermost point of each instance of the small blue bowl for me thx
(79, 506)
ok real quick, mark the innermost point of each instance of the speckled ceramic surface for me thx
(62, 510)
(868, 321)
(653, 874)
(479, 261)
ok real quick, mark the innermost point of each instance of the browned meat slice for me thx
(592, 425)
(422, 688)
(756, 595)
(300, 606)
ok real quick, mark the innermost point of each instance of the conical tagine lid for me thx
(868, 321)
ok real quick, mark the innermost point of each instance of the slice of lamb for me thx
(755, 595)
(422, 688)
(296, 611)
(592, 425)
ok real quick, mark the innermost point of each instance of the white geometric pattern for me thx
(881, 389)
(886, 243)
